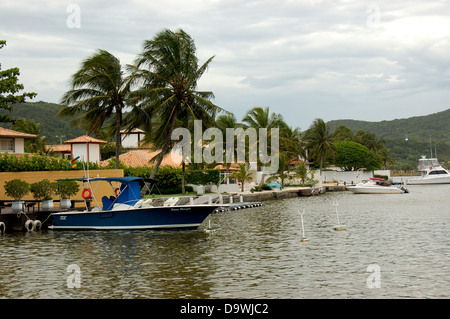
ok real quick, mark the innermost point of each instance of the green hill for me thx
(44, 114)
(420, 130)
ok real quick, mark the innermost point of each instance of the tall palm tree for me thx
(169, 71)
(259, 117)
(319, 142)
(99, 92)
(223, 122)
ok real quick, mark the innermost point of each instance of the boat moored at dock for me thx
(376, 186)
(128, 211)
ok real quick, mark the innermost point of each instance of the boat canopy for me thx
(124, 180)
(129, 192)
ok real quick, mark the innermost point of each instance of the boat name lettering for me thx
(178, 209)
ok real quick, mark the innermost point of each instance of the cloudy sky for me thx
(306, 59)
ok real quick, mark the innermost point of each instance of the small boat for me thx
(432, 173)
(127, 210)
(376, 186)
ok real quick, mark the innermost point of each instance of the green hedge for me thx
(36, 162)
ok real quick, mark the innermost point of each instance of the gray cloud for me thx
(304, 59)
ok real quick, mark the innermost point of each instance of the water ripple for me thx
(254, 253)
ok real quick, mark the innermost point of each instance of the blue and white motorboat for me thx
(128, 211)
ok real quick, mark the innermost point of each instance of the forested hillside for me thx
(44, 114)
(420, 131)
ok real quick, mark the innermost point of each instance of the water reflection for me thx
(254, 253)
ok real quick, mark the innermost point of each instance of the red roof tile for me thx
(85, 139)
(4, 132)
(139, 158)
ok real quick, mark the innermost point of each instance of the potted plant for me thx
(66, 189)
(17, 188)
(43, 191)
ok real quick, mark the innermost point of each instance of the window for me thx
(7, 145)
(437, 172)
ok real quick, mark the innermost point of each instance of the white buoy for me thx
(209, 229)
(303, 239)
(2, 228)
(338, 227)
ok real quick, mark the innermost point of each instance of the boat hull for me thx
(429, 180)
(185, 217)
(375, 190)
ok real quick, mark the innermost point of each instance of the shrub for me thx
(43, 190)
(16, 188)
(65, 189)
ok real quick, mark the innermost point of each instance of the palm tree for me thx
(369, 140)
(243, 174)
(223, 122)
(259, 117)
(36, 145)
(99, 92)
(319, 142)
(290, 143)
(169, 71)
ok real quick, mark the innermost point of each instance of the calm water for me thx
(254, 253)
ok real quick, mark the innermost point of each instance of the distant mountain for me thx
(45, 114)
(420, 130)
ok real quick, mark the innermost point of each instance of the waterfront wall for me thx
(101, 188)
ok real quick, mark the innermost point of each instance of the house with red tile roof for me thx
(86, 147)
(60, 150)
(12, 141)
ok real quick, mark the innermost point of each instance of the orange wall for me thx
(100, 188)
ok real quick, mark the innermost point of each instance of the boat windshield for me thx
(426, 163)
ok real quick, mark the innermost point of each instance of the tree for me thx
(290, 144)
(9, 87)
(353, 156)
(319, 142)
(343, 133)
(169, 70)
(369, 140)
(31, 127)
(283, 172)
(259, 117)
(243, 174)
(223, 122)
(99, 92)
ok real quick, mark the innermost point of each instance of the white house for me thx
(13, 142)
(86, 147)
(131, 139)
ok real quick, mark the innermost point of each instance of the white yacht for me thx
(376, 186)
(432, 173)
